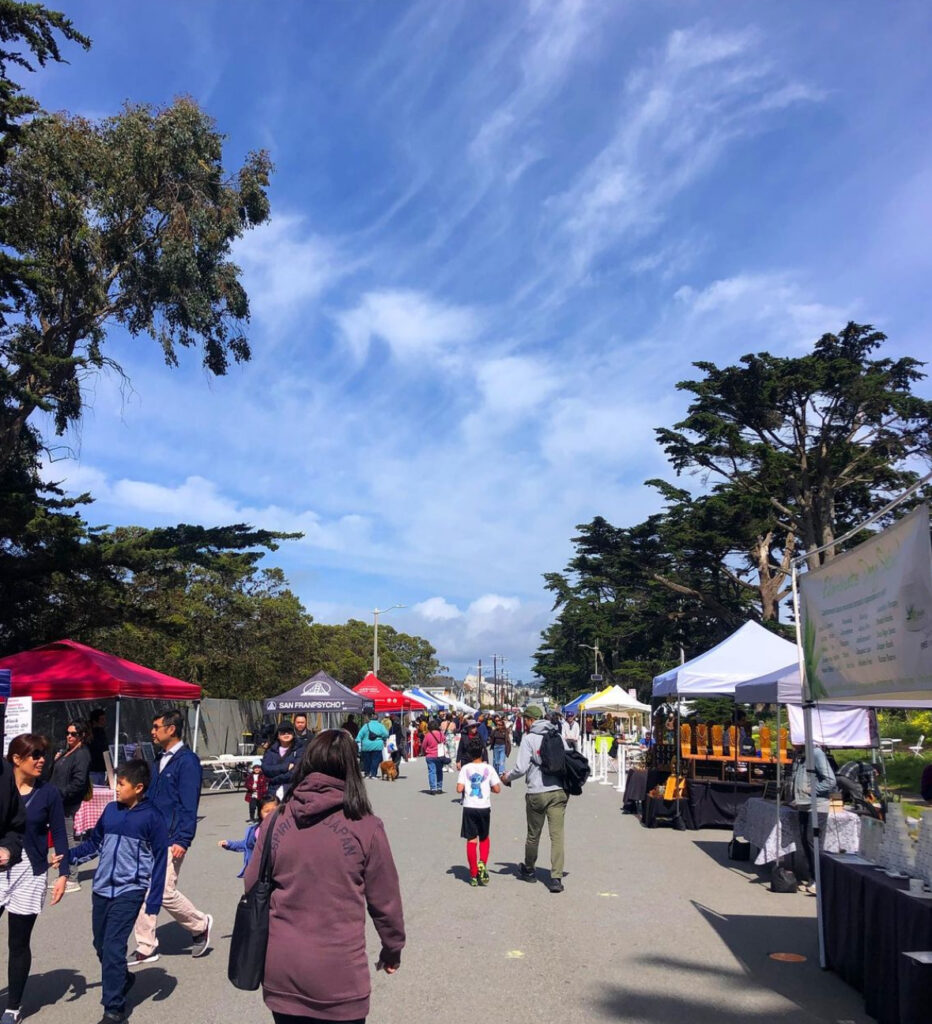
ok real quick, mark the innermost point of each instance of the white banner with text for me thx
(866, 617)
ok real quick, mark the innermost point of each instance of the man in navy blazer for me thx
(175, 791)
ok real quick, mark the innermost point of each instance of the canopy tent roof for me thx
(320, 693)
(748, 652)
(784, 686)
(423, 695)
(594, 696)
(615, 700)
(431, 703)
(833, 725)
(459, 705)
(384, 697)
(68, 670)
(574, 704)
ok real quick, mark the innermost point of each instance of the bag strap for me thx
(265, 865)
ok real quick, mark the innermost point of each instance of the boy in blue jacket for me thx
(131, 840)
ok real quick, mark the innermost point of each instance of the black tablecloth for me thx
(714, 804)
(667, 812)
(641, 781)
(870, 921)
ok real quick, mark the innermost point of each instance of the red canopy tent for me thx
(386, 699)
(67, 670)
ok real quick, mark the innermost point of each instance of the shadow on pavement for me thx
(460, 872)
(153, 983)
(631, 1004)
(52, 987)
(751, 939)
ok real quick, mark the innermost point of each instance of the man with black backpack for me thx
(546, 796)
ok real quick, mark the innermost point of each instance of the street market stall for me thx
(709, 797)
(70, 671)
(384, 698)
(321, 694)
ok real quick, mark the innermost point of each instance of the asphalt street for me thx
(653, 926)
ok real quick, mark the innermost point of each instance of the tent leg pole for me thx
(116, 745)
(622, 767)
(197, 722)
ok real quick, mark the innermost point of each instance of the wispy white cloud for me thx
(412, 324)
(286, 267)
(677, 115)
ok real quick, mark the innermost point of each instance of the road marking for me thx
(514, 954)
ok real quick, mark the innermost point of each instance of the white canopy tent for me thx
(748, 652)
(833, 725)
(615, 701)
(429, 702)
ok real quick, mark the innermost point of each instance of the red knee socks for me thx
(472, 855)
(484, 850)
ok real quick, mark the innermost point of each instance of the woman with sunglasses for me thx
(71, 774)
(22, 887)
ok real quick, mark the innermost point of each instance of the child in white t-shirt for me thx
(477, 781)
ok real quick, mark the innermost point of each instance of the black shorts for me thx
(476, 821)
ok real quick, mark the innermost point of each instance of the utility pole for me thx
(496, 658)
(376, 612)
(479, 687)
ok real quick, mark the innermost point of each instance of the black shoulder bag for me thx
(250, 938)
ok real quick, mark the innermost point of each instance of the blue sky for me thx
(501, 232)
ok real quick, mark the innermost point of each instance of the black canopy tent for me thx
(321, 694)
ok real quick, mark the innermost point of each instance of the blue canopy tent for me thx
(573, 706)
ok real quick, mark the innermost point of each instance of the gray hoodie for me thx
(528, 762)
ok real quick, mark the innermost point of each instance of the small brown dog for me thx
(389, 771)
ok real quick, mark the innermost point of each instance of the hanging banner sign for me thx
(18, 719)
(866, 617)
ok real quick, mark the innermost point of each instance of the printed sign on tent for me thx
(866, 617)
(18, 719)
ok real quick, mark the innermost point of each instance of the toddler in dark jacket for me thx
(131, 840)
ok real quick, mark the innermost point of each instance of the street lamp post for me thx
(376, 612)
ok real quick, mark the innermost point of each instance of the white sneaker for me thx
(72, 886)
(11, 1017)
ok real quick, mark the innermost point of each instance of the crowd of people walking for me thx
(307, 799)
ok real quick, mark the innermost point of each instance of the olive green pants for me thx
(552, 807)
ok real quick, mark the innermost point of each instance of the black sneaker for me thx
(555, 885)
(201, 942)
(528, 874)
(111, 1017)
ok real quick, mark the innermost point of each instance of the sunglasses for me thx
(70, 732)
(36, 755)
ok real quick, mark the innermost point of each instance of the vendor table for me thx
(714, 804)
(870, 922)
(756, 821)
(640, 781)
(87, 815)
(670, 812)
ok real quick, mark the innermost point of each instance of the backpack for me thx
(569, 766)
(552, 755)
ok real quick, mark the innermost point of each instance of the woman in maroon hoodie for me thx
(331, 859)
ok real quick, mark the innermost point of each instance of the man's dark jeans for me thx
(112, 922)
